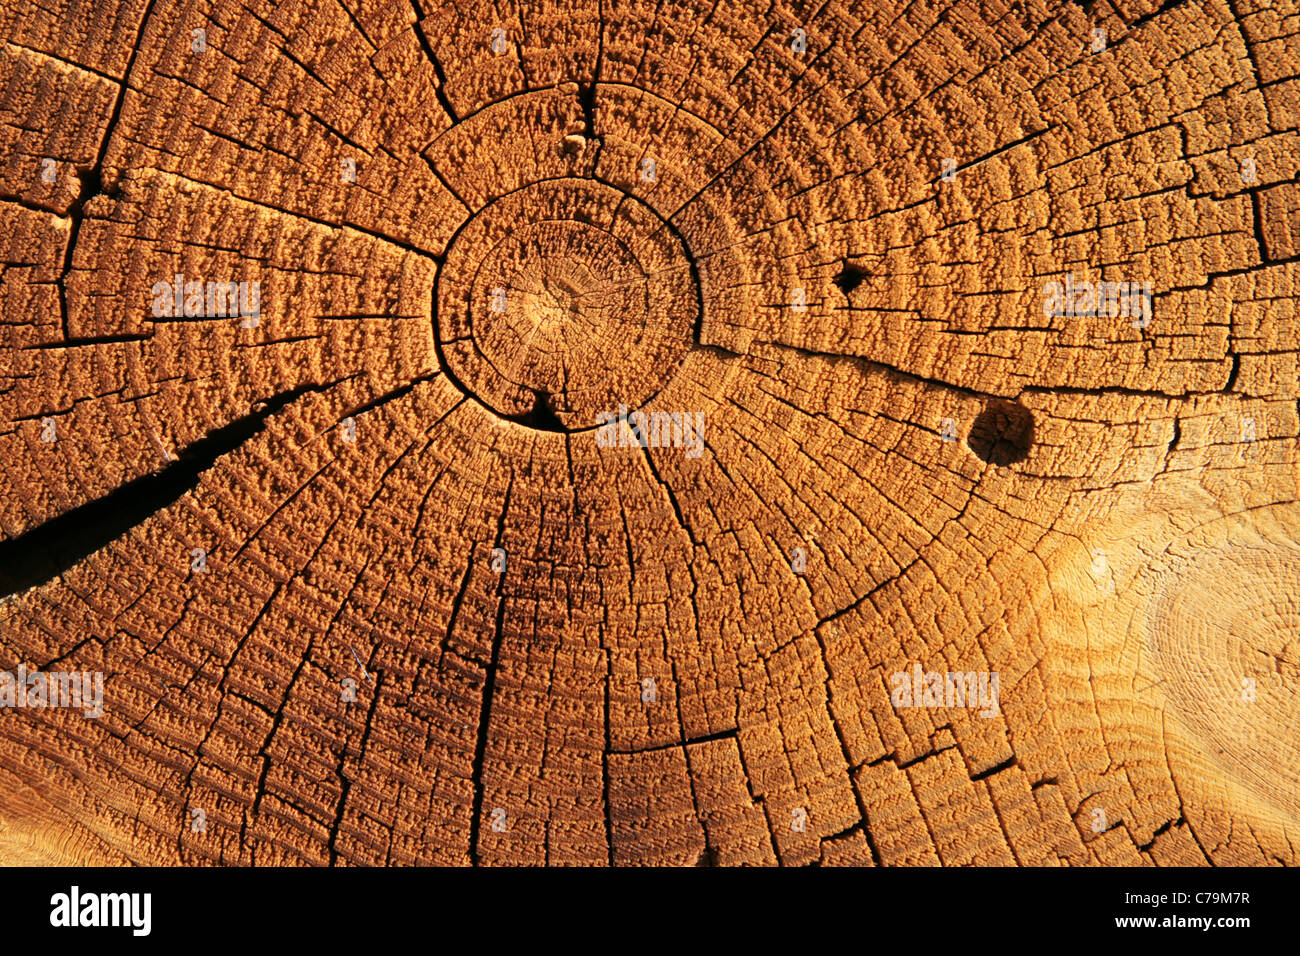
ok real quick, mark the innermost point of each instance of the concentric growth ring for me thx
(563, 299)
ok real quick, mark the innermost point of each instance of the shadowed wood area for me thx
(845, 433)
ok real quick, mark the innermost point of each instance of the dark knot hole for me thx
(1003, 433)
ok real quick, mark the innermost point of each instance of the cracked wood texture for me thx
(478, 226)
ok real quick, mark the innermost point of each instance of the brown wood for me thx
(886, 460)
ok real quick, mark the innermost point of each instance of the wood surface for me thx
(566, 650)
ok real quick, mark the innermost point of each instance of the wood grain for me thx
(441, 618)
